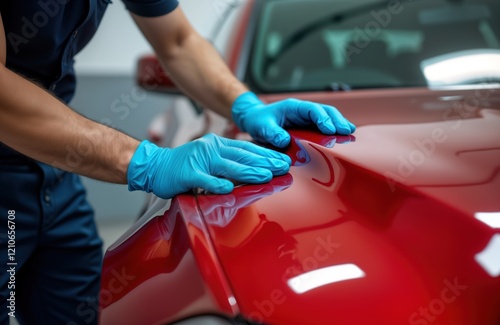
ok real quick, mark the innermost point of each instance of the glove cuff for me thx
(241, 105)
(139, 174)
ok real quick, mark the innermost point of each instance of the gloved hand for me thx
(265, 123)
(167, 172)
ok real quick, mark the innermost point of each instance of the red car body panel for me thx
(171, 253)
(415, 241)
(397, 201)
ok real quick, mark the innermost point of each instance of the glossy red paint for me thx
(164, 271)
(396, 202)
(405, 105)
(347, 200)
(416, 238)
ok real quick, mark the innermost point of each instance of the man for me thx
(43, 208)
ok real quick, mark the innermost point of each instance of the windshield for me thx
(316, 45)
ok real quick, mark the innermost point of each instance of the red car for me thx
(396, 224)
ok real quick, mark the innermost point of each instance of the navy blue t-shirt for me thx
(43, 36)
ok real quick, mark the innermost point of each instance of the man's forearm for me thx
(38, 125)
(193, 63)
(197, 66)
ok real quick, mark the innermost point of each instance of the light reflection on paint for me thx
(324, 276)
(491, 219)
(489, 257)
(462, 67)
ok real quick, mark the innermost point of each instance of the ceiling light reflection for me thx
(318, 278)
(488, 258)
(462, 67)
(492, 219)
(232, 301)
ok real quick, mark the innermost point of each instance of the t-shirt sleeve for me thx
(150, 8)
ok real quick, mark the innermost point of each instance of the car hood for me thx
(397, 223)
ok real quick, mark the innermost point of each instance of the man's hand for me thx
(200, 163)
(265, 123)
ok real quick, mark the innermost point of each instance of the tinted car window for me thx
(342, 44)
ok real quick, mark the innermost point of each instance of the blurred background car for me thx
(396, 224)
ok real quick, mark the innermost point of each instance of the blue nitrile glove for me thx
(167, 172)
(265, 123)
